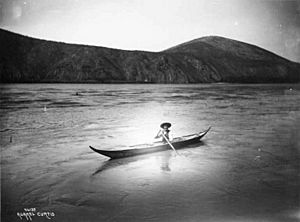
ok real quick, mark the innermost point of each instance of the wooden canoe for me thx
(178, 143)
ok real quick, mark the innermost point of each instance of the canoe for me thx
(178, 143)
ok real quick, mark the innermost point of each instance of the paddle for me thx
(169, 143)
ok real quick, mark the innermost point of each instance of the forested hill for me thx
(204, 60)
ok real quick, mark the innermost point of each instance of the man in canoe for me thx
(164, 132)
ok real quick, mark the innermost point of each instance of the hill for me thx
(203, 60)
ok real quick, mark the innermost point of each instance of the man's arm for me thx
(158, 134)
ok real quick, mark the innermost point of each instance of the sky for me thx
(155, 25)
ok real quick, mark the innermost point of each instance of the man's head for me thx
(165, 126)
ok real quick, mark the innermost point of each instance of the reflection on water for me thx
(247, 169)
(165, 162)
(149, 162)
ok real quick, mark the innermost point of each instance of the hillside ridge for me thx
(203, 60)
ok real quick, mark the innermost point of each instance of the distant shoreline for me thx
(151, 83)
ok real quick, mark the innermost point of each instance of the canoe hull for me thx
(115, 154)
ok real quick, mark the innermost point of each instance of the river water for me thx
(246, 168)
